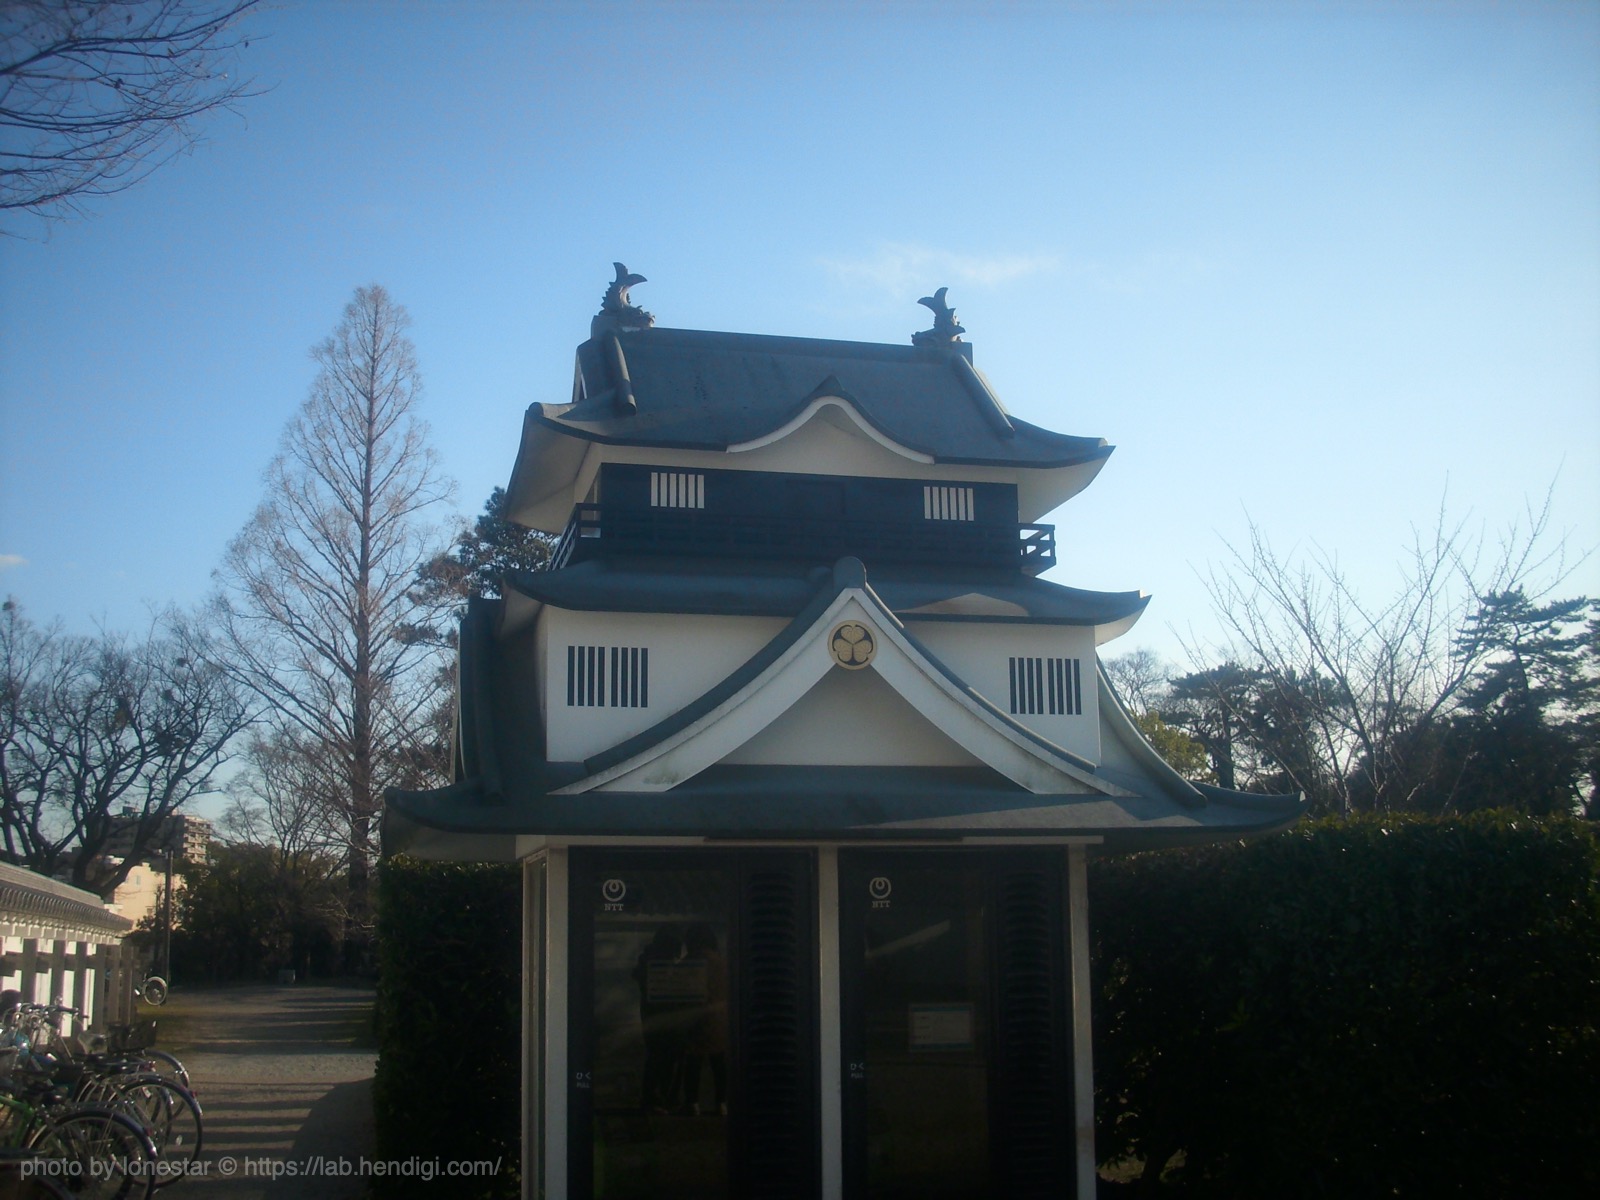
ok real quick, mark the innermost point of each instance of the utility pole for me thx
(166, 922)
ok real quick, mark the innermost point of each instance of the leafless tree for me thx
(285, 805)
(1140, 677)
(286, 796)
(1365, 683)
(96, 94)
(92, 728)
(314, 592)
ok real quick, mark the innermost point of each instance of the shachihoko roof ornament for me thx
(945, 330)
(617, 312)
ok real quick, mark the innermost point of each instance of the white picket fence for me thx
(60, 942)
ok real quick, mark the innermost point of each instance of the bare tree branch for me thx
(95, 726)
(1368, 682)
(1140, 677)
(97, 94)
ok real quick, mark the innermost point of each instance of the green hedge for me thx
(448, 1084)
(1355, 1009)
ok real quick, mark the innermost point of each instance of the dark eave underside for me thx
(835, 803)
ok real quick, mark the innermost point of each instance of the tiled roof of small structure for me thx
(855, 802)
(736, 588)
(33, 900)
(701, 390)
(507, 788)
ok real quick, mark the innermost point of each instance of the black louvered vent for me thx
(777, 1131)
(1033, 1125)
(1050, 686)
(608, 676)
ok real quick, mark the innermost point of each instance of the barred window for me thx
(608, 677)
(677, 489)
(941, 503)
(1047, 686)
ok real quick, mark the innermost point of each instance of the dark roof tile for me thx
(694, 389)
(738, 588)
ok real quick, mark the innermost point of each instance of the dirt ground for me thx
(284, 1076)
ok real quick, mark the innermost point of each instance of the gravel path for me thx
(282, 1084)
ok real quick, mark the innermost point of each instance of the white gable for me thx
(942, 703)
(828, 412)
(852, 719)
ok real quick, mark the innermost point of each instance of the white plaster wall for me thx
(831, 444)
(852, 719)
(980, 654)
(538, 670)
(689, 654)
(817, 448)
(140, 894)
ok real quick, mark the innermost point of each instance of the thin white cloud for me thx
(1153, 272)
(897, 268)
(7, 561)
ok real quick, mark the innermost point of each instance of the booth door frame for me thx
(773, 1120)
(545, 1019)
(1022, 992)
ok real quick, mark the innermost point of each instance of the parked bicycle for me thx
(131, 1043)
(137, 1040)
(95, 1152)
(152, 989)
(165, 1110)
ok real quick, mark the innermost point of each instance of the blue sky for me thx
(1319, 265)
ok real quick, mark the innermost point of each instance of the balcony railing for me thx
(596, 530)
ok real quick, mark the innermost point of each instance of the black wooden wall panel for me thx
(777, 1127)
(1032, 1098)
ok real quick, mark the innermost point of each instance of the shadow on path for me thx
(283, 1087)
(326, 1136)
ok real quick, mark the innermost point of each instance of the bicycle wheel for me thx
(104, 1155)
(18, 1183)
(171, 1117)
(166, 1066)
(155, 991)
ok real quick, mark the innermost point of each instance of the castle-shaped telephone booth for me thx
(804, 762)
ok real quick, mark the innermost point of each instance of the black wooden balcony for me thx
(597, 530)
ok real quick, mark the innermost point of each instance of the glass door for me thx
(692, 1024)
(957, 1075)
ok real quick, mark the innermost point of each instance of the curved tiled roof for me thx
(700, 390)
(30, 899)
(886, 803)
(1149, 803)
(736, 588)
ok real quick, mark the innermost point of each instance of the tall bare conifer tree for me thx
(314, 589)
